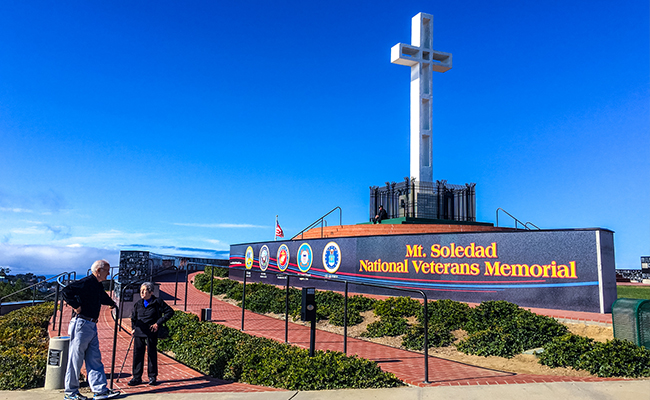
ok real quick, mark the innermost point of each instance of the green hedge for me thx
(24, 342)
(495, 328)
(612, 358)
(499, 328)
(227, 353)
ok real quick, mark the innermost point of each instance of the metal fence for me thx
(431, 200)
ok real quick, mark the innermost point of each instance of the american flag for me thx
(278, 230)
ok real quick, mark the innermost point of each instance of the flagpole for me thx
(275, 229)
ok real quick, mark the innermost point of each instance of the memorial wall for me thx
(560, 269)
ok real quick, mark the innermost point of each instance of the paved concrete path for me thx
(621, 390)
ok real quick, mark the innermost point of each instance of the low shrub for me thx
(439, 336)
(397, 307)
(617, 358)
(489, 314)
(354, 317)
(229, 354)
(609, 359)
(23, 347)
(566, 351)
(490, 342)
(361, 303)
(387, 326)
(452, 314)
(499, 328)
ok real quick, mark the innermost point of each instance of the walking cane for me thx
(125, 357)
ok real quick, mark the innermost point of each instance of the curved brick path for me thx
(406, 365)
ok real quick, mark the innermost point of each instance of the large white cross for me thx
(422, 60)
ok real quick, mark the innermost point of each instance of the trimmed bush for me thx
(23, 347)
(452, 314)
(229, 354)
(617, 358)
(566, 351)
(613, 358)
(499, 328)
(489, 314)
(490, 342)
(354, 317)
(439, 336)
(397, 307)
(387, 326)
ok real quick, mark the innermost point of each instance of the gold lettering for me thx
(573, 270)
(425, 268)
(475, 269)
(363, 266)
(493, 252)
(520, 270)
(435, 250)
(480, 252)
(416, 266)
(440, 268)
(491, 269)
(469, 251)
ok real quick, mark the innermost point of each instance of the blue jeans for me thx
(84, 346)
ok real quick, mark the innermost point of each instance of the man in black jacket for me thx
(86, 297)
(148, 314)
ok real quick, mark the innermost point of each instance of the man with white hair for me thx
(86, 297)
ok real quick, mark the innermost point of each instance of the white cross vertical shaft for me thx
(423, 61)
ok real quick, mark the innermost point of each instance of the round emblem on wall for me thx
(283, 257)
(250, 255)
(304, 257)
(264, 257)
(331, 257)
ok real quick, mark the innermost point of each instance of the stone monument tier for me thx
(399, 226)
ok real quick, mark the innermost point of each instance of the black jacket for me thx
(88, 293)
(157, 312)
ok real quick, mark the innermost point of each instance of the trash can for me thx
(57, 362)
(206, 314)
(631, 321)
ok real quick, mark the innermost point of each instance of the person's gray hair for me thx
(97, 265)
(148, 285)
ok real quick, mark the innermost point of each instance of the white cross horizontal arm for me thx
(406, 54)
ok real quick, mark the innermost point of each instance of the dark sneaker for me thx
(108, 394)
(76, 396)
(153, 382)
(135, 382)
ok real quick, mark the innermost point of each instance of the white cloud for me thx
(219, 225)
(32, 230)
(16, 210)
(111, 237)
(52, 260)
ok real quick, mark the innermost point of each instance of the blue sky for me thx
(183, 127)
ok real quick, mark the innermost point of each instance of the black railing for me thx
(429, 200)
(248, 273)
(523, 225)
(322, 223)
(33, 287)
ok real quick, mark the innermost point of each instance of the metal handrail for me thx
(516, 220)
(33, 286)
(320, 220)
(530, 223)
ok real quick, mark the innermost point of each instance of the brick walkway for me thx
(406, 365)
